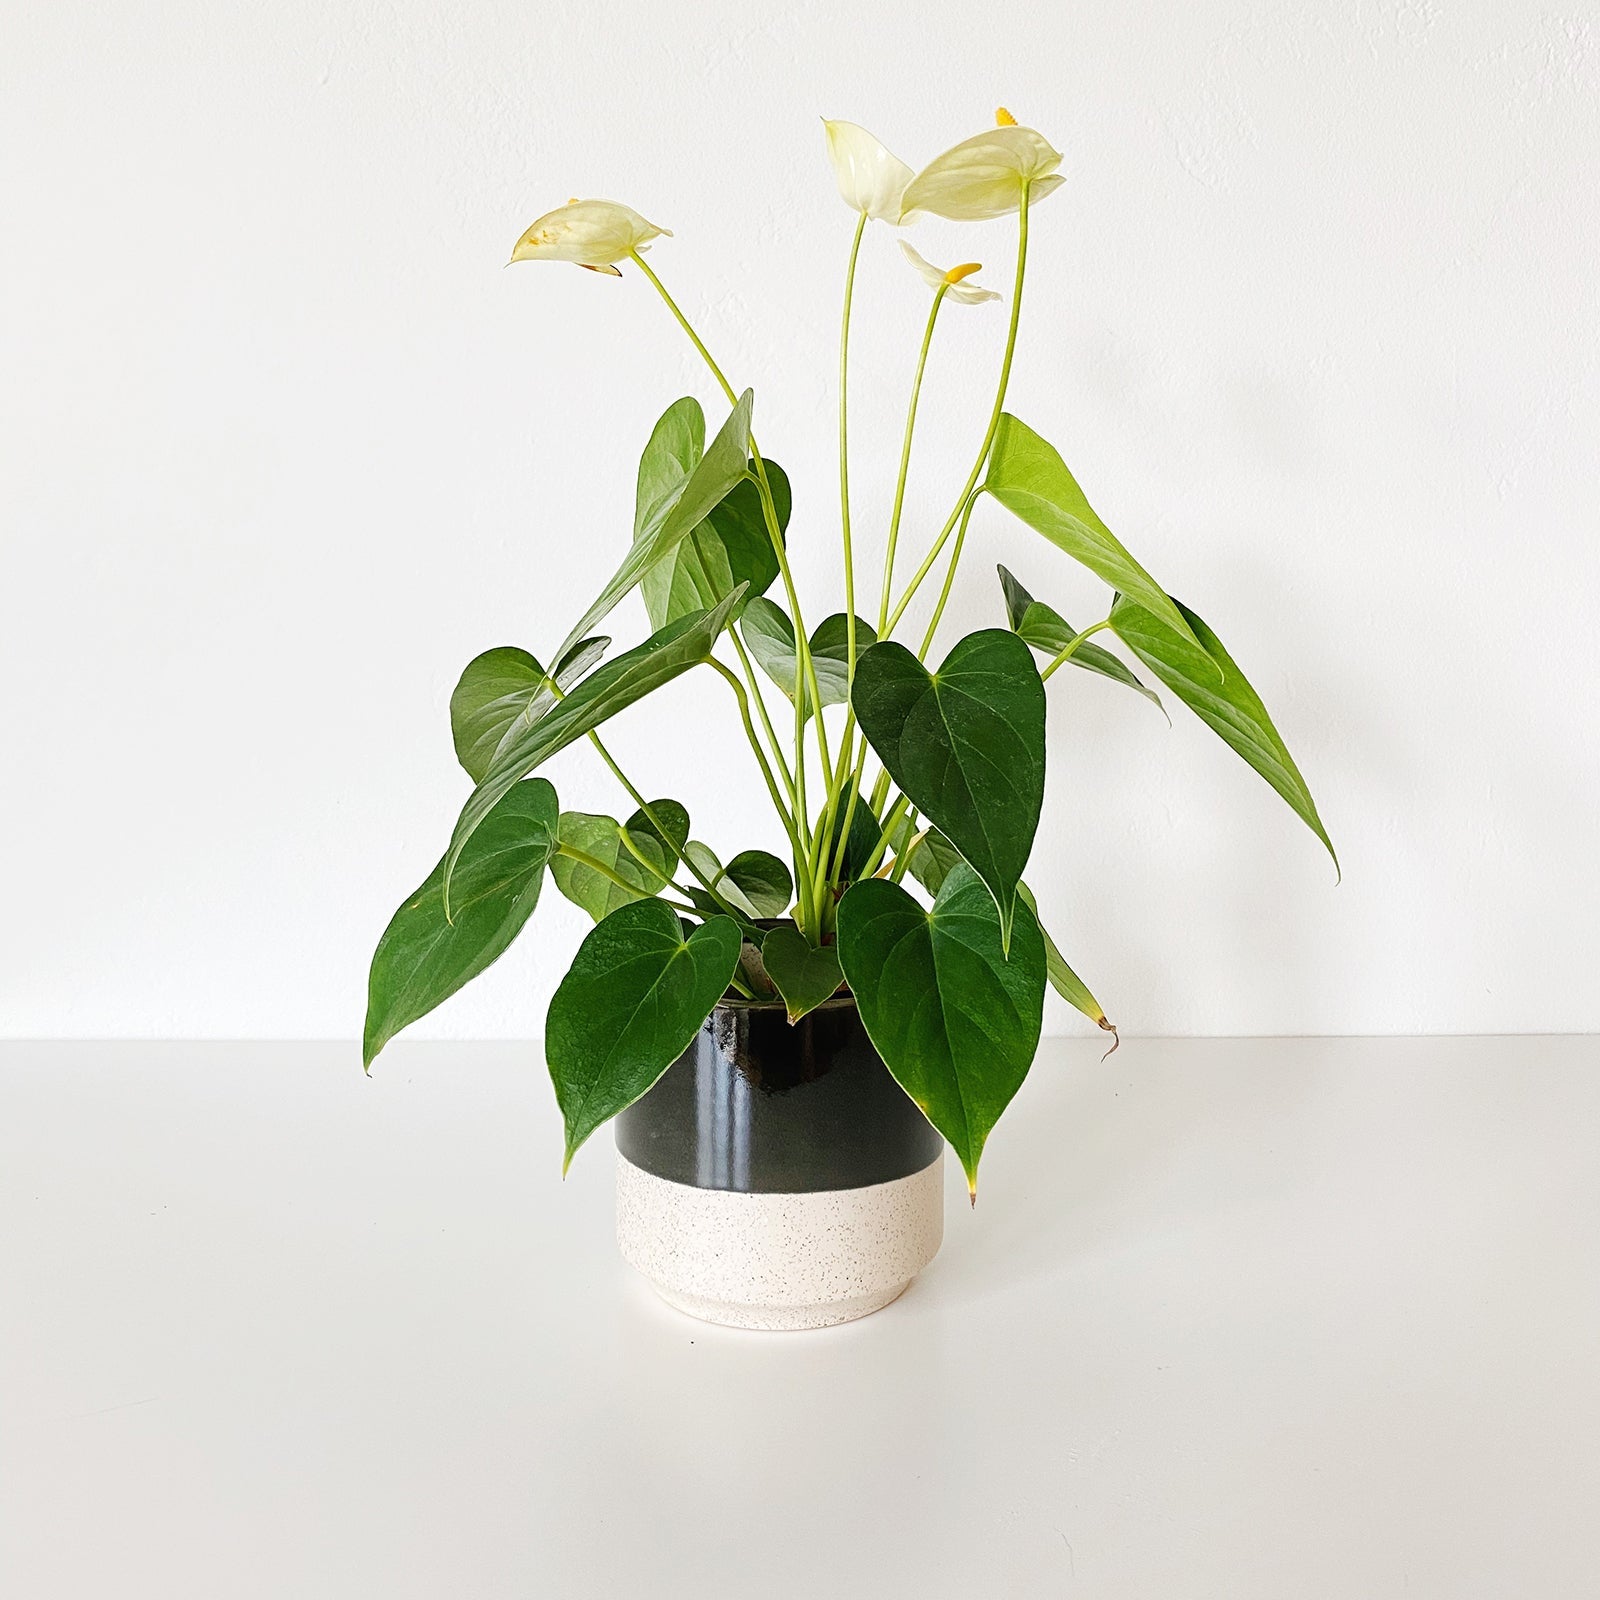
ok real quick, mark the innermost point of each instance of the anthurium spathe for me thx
(870, 179)
(953, 282)
(589, 233)
(985, 176)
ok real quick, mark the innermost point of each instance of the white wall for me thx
(283, 446)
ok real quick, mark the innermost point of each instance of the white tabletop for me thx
(1271, 1318)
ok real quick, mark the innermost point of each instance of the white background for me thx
(282, 446)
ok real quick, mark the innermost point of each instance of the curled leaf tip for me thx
(1003, 118)
(1116, 1038)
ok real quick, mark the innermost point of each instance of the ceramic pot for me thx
(778, 1176)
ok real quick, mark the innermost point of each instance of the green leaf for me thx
(683, 505)
(769, 635)
(636, 995)
(804, 975)
(831, 656)
(1209, 682)
(422, 958)
(762, 879)
(673, 451)
(1029, 478)
(674, 819)
(933, 860)
(1064, 980)
(865, 832)
(1050, 633)
(954, 1019)
(704, 860)
(501, 687)
(662, 657)
(602, 837)
(966, 745)
(732, 546)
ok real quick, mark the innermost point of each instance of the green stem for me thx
(805, 668)
(905, 459)
(761, 707)
(949, 580)
(995, 414)
(844, 456)
(755, 745)
(1070, 648)
(655, 821)
(897, 811)
(594, 864)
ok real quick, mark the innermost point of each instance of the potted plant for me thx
(786, 1043)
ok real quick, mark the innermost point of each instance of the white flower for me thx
(591, 233)
(969, 294)
(983, 176)
(869, 178)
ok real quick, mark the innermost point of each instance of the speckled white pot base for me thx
(779, 1260)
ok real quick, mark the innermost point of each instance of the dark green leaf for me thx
(636, 995)
(802, 974)
(933, 860)
(966, 745)
(423, 959)
(865, 832)
(954, 1019)
(602, 838)
(732, 546)
(662, 657)
(1209, 682)
(762, 879)
(502, 687)
(1050, 633)
(1029, 478)
(682, 508)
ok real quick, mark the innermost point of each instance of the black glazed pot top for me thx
(762, 1107)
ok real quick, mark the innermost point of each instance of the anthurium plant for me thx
(907, 788)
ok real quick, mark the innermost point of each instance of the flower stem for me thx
(905, 458)
(971, 486)
(844, 454)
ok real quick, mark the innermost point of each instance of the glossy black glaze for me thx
(758, 1106)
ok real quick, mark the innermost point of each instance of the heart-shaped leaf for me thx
(1208, 680)
(682, 507)
(504, 686)
(1050, 633)
(1029, 478)
(769, 634)
(422, 958)
(673, 830)
(732, 546)
(966, 745)
(638, 990)
(762, 879)
(602, 838)
(933, 857)
(955, 1020)
(804, 975)
(662, 657)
